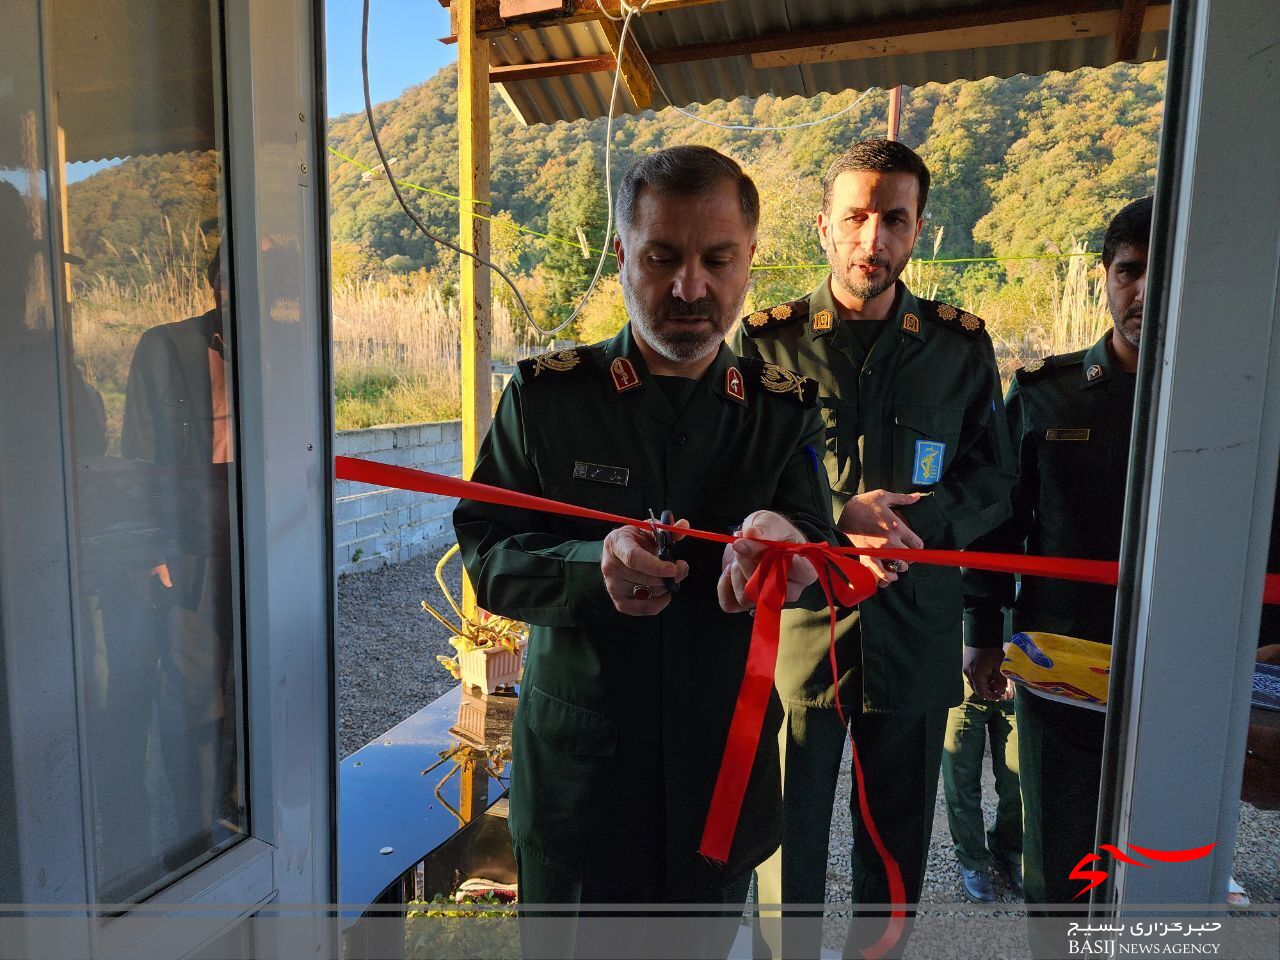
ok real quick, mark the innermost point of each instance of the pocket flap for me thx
(568, 727)
(928, 420)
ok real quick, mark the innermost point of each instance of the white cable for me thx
(386, 167)
(608, 154)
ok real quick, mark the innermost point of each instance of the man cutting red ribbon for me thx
(630, 689)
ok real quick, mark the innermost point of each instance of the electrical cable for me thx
(377, 143)
(404, 205)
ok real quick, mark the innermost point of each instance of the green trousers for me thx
(1060, 757)
(970, 725)
(900, 756)
(574, 933)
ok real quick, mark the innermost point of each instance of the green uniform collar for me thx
(628, 374)
(824, 317)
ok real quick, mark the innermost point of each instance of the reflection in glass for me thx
(150, 368)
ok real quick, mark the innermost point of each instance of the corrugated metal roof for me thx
(586, 95)
(133, 77)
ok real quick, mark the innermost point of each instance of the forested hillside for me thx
(1021, 166)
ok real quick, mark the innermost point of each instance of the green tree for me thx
(579, 206)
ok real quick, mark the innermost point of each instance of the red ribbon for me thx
(844, 581)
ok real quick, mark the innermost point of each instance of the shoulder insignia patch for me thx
(781, 315)
(782, 382)
(558, 361)
(822, 320)
(961, 320)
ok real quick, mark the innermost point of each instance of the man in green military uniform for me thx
(629, 687)
(917, 455)
(1070, 418)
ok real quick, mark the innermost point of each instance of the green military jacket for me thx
(622, 720)
(1069, 418)
(922, 412)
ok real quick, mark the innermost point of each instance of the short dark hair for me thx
(882, 156)
(683, 171)
(1130, 227)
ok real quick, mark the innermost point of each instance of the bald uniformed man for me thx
(917, 456)
(629, 688)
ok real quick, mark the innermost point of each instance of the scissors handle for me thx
(663, 538)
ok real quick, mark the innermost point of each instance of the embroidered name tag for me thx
(601, 473)
(1060, 433)
(929, 456)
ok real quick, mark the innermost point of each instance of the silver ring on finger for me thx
(640, 592)
(895, 566)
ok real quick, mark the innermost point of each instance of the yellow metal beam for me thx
(637, 75)
(473, 233)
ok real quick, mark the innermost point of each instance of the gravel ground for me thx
(387, 646)
(387, 670)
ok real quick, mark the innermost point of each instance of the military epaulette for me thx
(770, 378)
(956, 319)
(1039, 368)
(781, 315)
(555, 362)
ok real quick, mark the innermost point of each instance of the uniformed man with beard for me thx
(630, 686)
(1070, 417)
(917, 456)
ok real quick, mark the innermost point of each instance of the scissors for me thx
(663, 537)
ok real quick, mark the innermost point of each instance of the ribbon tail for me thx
(748, 713)
(897, 889)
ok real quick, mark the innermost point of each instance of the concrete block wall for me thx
(375, 526)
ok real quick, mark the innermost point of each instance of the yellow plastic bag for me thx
(1060, 668)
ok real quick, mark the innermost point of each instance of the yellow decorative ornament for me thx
(781, 312)
(947, 312)
(758, 319)
(485, 632)
(1034, 365)
(970, 322)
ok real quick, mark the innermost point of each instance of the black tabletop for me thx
(406, 793)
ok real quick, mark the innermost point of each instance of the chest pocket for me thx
(626, 501)
(1085, 478)
(925, 439)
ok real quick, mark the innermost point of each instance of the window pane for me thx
(150, 366)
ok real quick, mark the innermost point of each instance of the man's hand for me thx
(633, 574)
(982, 670)
(869, 520)
(741, 558)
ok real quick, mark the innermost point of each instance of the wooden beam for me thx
(473, 234)
(1129, 29)
(1039, 30)
(554, 68)
(637, 75)
(578, 12)
(899, 26)
(512, 9)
